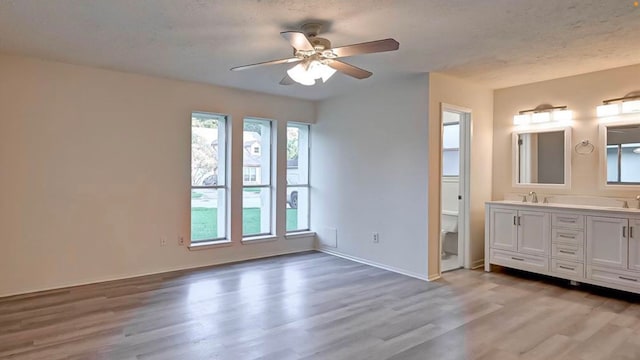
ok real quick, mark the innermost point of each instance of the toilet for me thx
(448, 224)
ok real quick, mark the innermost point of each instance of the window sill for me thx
(299, 234)
(209, 245)
(259, 239)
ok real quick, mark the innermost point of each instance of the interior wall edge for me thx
(338, 253)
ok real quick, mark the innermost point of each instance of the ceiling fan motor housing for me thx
(320, 43)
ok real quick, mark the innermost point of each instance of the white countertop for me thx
(618, 210)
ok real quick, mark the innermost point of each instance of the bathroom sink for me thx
(592, 202)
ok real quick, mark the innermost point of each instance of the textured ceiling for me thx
(499, 43)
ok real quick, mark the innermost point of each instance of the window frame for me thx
(271, 147)
(224, 160)
(306, 185)
(619, 148)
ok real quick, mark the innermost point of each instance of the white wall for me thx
(94, 169)
(369, 174)
(581, 93)
(444, 89)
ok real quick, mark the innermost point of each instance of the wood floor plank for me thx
(316, 306)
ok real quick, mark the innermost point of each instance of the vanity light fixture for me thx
(542, 114)
(627, 104)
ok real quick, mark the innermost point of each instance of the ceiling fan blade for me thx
(349, 69)
(272, 62)
(286, 80)
(298, 40)
(367, 48)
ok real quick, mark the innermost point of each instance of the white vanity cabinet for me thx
(634, 244)
(522, 231)
(505, 234)
(613, 253)
(600, 246)
(607, 241)
(520, 236)
(567, 245)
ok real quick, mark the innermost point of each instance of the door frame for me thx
(464, 183)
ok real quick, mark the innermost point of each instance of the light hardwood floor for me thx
(316, 306)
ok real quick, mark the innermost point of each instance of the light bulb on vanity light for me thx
(540, 117)
(608, 110)
(522, 119)
(631, 106)
(562, 115)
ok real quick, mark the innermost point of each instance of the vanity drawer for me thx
(567, 268)
(571, 252)
(519, 261)
(571, 221)
(567, 236)
(616, 277)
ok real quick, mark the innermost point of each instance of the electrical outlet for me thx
(163, 241)
(376, 238)
(181, 240)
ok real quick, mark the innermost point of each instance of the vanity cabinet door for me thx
(534, 232)
(607, 241)
(503, 229)
(634, 244)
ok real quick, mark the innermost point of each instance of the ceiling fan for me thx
(316, 59)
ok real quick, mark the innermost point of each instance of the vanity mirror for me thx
(621, 160)
(542, 158)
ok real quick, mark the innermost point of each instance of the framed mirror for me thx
(620, 161)
(542, 158)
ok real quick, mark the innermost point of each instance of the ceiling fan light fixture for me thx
(322, 71)
(300, 74)
(308, 72)
(327, 72)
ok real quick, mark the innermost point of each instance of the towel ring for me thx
(584, 147)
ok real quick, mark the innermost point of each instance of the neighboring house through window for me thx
(257, 189)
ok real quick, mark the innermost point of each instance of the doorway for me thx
(454, 186)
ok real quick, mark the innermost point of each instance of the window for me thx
(208, 178)
(256, 191)
(623, 163)
(451, 149)
(297, 177)
(250, 174)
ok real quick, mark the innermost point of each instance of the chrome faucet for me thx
(534, 197)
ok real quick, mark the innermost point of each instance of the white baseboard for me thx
(114, 278)
(477, 264)
(373, 263)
